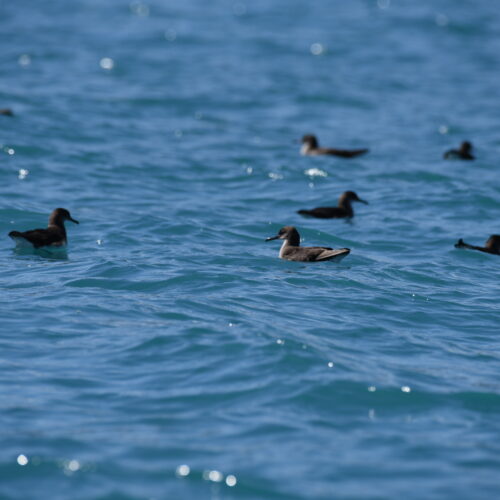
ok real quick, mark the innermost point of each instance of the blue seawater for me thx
(170, 354)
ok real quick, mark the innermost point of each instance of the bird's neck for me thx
(306, 148)
(493, 246)
(283, 248)
(289, 242)
(57, 222)
(293, 240)
(345, 203)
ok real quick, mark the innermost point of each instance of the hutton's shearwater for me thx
(310, 146)
(342, 210)
(462, 153)
(291, 249)
(53, 236)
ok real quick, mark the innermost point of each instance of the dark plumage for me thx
(311, 147)
(291, 249)
(6, 112)
(492, 245)
(53, 236)
(463, 153)
(343, 210)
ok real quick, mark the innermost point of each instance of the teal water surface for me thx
(170, 354)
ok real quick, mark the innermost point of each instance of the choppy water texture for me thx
(171, 334)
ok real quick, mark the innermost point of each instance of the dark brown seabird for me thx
(311, 147)
(492, 245)
(6, 112)
(53, 236)
(343, 210)
(291, 249)
(463, 153)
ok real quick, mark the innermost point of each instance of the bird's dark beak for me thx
(73, 220)
(362, 201)
(273, 238)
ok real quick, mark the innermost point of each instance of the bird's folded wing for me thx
(337, 254)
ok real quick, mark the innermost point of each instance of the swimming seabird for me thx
(492, 245)
(344, 208)
(53, 236)
(311, 147)
(463, 153)
(291, 249)
(6, 112)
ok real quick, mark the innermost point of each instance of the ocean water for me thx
(169, 353)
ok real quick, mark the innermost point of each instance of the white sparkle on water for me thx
(441, 20)
(183, 470)
(23, 173)
(231, 480)
(274, 176)
(73, 465)
(22, 460)
(315, 172)
(215, 476)
(24, 60)
(406, 388)
(107, 63)
(139, 9)
(317, 49)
